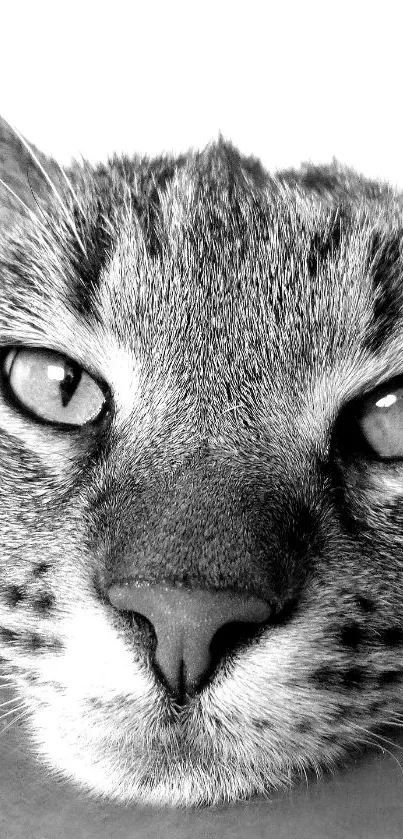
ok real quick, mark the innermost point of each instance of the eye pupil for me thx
(69, 383)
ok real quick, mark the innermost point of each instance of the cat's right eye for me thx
(52, 387)
(380, 419)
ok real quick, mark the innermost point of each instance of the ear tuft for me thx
(20, 173)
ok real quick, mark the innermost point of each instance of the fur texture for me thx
(234, 320)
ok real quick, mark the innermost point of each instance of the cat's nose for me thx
(193, 627)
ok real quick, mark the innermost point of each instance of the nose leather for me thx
(185, 621)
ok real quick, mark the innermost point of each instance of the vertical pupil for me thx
(70, 382)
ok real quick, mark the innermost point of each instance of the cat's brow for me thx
(385, 269)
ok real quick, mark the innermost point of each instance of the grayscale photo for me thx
(201, 421)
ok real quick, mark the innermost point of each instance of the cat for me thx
(201, 469)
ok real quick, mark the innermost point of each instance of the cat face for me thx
(200, 469)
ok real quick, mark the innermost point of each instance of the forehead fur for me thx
(210, 253)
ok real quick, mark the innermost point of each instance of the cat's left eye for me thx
(380, 420)
(52, 387)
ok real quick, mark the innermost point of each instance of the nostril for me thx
(143, 628)
(231, 637)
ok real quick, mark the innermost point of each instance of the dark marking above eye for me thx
(98, 232)
(384, 264)
(324, 244)
(98, 243)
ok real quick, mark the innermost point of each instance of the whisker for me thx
(379, 737)
(46, 222)
(72, 190)
(373, 742)
(12, 711)
(301, 771)
(384, 751)
(24, 715)
(393, 722)
(395, 715)
(9, 702)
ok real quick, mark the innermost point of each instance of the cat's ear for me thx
(22, 183)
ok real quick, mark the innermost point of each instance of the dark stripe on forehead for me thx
(386, 274)
(109, 191)
(99, 244)
(140, 184)
(325, 243)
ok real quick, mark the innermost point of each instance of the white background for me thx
(286, 81)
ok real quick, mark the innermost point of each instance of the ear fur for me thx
(334, 182)
(20, 173)
(330, 183)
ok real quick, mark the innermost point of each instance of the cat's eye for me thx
(52, 387)
(380, 419)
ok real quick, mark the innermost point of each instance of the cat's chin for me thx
(155, 755)
(124, 776)
(164, 765)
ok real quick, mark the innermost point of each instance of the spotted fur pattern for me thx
(234, 318)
